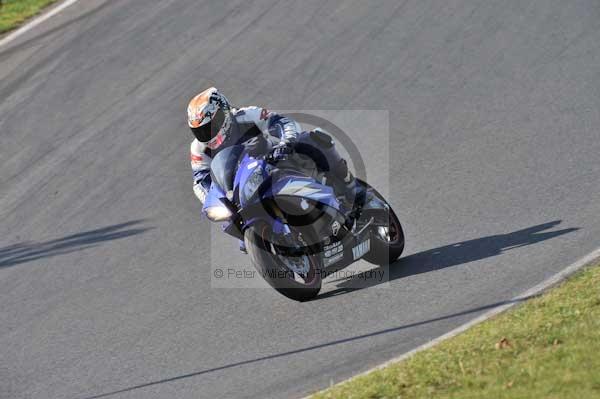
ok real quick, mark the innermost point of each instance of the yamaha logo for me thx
(361, 249)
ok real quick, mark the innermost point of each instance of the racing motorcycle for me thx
(296, 231)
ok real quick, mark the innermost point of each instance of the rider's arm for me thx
(283, 127)
(271, 123)
(201, 168)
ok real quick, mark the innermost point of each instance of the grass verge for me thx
(547, 347)
(14, 12)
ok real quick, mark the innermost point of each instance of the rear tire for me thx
(385, 250)
(273, 269)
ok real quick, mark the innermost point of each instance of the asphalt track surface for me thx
(104, 282)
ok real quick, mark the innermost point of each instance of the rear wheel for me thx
(387, 236)
(298, 277)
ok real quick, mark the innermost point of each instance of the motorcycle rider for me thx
(216, 125)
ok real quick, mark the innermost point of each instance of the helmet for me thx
(209, 117)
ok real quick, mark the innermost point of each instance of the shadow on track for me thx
(448, 256)
(305, 349)
(28, 251)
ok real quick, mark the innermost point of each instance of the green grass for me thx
(548, 347)
(14, 12)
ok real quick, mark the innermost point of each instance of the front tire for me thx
(273, 267)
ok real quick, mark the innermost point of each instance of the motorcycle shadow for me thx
(446, 256)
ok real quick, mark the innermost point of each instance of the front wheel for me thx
(387, 241)
(298, 278)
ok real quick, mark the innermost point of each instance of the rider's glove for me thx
(281, 152)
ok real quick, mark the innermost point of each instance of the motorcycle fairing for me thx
(304, 187)
(280, 186)
(213, 197)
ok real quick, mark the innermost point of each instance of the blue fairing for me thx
(293, 185)
(212, 198)
(247, 167)
(304, 187)
(252, 173)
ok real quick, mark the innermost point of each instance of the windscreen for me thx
(224, 166)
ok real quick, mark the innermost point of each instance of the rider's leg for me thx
(321, 148)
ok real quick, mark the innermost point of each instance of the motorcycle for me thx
(295, 229)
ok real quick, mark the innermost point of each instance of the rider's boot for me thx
(355, 193)
(243, 247)
(350, 192)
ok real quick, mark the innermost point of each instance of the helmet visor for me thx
(206, 132)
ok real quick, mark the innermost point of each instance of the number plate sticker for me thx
(361, 249)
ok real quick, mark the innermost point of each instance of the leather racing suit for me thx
(258, 130)
(255, 128)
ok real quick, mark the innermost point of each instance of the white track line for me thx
(36, 21)
(558, 277)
